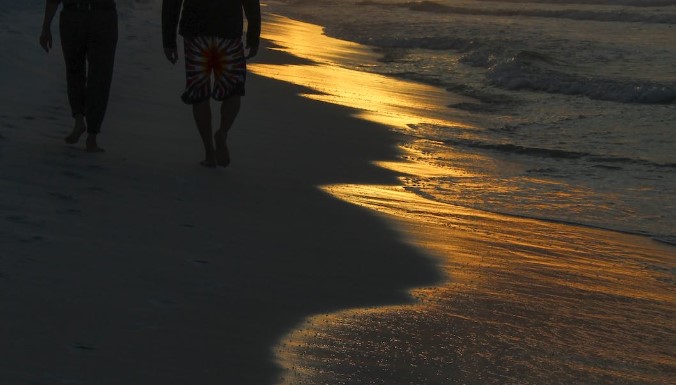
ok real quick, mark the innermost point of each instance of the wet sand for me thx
(525, 301)
(139, 266)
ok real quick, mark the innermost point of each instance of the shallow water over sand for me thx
(576, 99)
(525, 301)
(327, 73)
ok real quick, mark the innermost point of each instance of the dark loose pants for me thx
(89, 40)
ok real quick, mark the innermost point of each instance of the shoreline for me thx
(139, 266)
(548, 278)
(511, 131)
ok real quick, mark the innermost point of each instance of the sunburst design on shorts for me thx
(222, 57)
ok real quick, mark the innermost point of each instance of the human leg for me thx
(197, 90)
(74, 47)
(79, 128)
(102, 44)
(229, 110)
(229, 79)
(202, 114)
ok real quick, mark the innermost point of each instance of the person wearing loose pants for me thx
(88, 31)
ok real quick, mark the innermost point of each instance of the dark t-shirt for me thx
(222, 18)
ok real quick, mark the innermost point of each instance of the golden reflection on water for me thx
(526, 301)
(377, 98)
(307, 41)
(423, 169)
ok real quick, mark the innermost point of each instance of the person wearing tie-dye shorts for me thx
(215, 61)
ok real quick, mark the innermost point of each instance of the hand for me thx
(253, 50)
(46, 39)
(171, 53)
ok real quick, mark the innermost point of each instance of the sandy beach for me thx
(139, 266)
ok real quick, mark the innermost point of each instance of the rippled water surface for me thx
(551, 109)
(526, 301)
(574, 100)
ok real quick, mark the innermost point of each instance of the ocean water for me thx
(575, 101)
(553, 110)
(535, 136)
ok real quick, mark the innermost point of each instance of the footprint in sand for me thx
(63, 197)
(72, 174)
(72, 211)
(32, 239)
(162, 302)
(16, 218)
(83, 346)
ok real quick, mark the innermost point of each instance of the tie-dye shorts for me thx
(222, 57)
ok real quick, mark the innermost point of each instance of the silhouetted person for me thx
(88, 30)
(212, 36)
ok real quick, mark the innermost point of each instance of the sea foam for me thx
(524, 71)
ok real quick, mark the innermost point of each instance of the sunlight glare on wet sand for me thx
(381, 99)
(525, 301)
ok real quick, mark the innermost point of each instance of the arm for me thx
(171, 11)
(252, 11)
(46, 36)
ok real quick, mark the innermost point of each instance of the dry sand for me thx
(138, 266)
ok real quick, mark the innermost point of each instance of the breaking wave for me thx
(555, 153)
(524, 71)
(626, 3)
(573, 14)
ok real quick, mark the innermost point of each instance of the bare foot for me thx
(222, 153)
(209, 156)
(92, 146)
(208, 163)
(78, 130)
